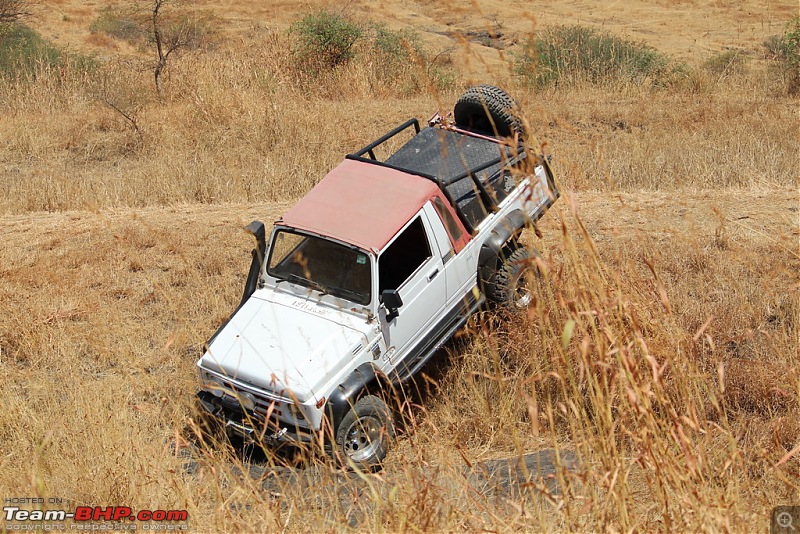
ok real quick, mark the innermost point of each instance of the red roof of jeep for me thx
(361, 203)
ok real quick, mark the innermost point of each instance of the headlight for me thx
(246, 400)
(219, 389)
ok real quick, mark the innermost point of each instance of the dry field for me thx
(662, 348)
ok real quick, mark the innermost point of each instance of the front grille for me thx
(278, 407)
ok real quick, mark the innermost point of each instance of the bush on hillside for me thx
(135, 26)
(325, 40)
(167, 32)
(785, 51)
(727, 63)
(394, 45)
(23, 51)
(123, 24)
(572, 54)
(398, 56)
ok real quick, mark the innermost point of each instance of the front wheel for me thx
(508, 285)
(365, 434)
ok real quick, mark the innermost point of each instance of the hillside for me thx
(688, 29)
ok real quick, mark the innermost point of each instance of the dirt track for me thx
(501, 482)
(751, 213)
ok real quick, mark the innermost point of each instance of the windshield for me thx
(322, 265)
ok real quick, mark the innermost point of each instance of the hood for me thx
(281, 343)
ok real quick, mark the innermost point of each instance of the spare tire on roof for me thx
(488, 109)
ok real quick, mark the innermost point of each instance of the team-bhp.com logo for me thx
(91, 518)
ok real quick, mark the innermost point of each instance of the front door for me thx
(413, 266)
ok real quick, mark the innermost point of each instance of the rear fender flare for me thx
(506, 230)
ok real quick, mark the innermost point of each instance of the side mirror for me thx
(391, 299)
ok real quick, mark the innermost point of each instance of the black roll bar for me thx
(369, 149)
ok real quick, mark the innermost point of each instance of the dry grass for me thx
(244, 122)
(101, 325)
(662, 349)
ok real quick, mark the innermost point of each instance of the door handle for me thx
(433, 275)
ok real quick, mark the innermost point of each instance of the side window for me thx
(450, 224)
(404, 256)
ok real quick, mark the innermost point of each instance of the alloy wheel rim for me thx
(363, 438)
(522, 295)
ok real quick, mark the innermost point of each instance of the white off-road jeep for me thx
(370, 273)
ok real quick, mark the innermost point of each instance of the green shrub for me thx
(787, 45)
(388, 60)
(195, 29)
(325, 40)
(395, 58)
(727, 63)
(123, 24)
(785, 50)
(23, 51)
(402, 45)
(398, 58)
(576, 53)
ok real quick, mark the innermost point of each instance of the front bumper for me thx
(244, 424)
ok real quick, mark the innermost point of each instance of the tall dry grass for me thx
(242, 123)
(678, 424)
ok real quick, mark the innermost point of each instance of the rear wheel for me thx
(488, 109)
(508, 285)
(365, 433)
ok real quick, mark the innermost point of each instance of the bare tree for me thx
(13, 10)
(169, 38)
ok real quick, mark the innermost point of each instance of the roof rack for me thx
(447, 155)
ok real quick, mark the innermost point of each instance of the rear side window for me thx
(404, 256)
(450, 224)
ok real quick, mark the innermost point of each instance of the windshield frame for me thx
(324, 290)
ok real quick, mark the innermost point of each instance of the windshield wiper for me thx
(349, 294)
(299, 280)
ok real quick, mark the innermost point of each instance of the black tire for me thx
(365, 434)
(488, 109)
(508, 286)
